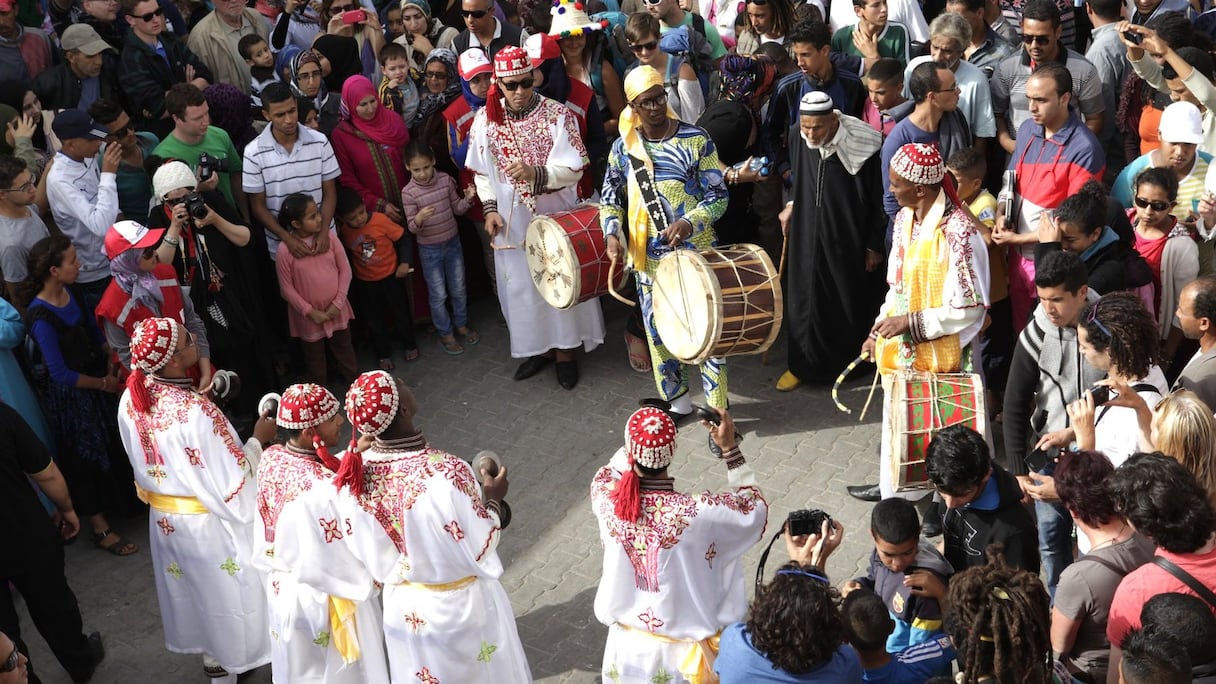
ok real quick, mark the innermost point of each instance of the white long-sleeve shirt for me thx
(84, 203)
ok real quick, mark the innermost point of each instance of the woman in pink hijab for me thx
(368, 142)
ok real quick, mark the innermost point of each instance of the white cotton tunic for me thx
(303, 648)
(677, 573)
(547, 136)
(420, 521)
(211, 597)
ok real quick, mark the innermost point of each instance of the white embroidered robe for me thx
(548, 137)
(420, 521)
(677, 573)
(211, 597)
(303, 648)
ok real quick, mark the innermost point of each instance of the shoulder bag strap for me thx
(1105, 563)
(654, 207)
(1185, 577)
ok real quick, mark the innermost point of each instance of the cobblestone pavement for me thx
(804, 451)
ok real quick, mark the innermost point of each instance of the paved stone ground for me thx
(804, 451)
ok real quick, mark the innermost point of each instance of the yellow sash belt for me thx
(342, 626)
(167, 503)
(444, 586)
(698, 664)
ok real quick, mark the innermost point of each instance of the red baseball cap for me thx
(126, 235)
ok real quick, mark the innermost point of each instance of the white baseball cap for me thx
(1181, 122)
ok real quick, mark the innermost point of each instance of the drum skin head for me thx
(552, 263)
(686, 303)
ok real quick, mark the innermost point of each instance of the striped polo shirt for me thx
(1008, 84)
(269, 168)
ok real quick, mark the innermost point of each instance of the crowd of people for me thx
(203, 202)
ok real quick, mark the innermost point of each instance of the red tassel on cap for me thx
(327, 459)
(350, 474)
(138, 387)
(494, 110)
(627, 497)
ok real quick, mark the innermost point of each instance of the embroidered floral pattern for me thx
(165, 526)
(283, 476)
(453, 529)
(651, 622)
(158, 474)
(661, 677)
(531, 139)
(322, 639)
(229, 566)
(174, 570)
(665, 516)
(711, 553)
(332, 530)
(414, 621)
(487, 651)
(194, 456)
(426, 677)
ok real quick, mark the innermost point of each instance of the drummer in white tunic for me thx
(527, 157)
(415, 520)
(673, 571)
(193, 472)
(315, 638)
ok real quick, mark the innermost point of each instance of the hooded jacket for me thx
(1113, 265)
(1047, 372)
(917, 619)
(996, 515)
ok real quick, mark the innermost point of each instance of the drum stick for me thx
(840, 381)
(612, 284)
(785, 242)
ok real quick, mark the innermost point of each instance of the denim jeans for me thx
(443, 268)
(1055, 537)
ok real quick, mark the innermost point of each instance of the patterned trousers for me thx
(670, 375)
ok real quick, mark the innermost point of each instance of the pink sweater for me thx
(442, 195)
(314, 282)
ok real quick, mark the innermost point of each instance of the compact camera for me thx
(804, 522)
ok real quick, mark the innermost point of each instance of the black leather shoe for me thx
(531, 366)
(567, 374)
(931, 529)
(869, 493)
(665, 406)
(97, 653)
(714, 448)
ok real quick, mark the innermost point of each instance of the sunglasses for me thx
(437, 75)
(1036, 40)
(340, 10)
(122, 132)
(149, 16)
(644, 47)
(476, 14)
(1155, 205)
(512, 86)
(1093, 318)
(10, 663)
(651, 2)
(652, 104)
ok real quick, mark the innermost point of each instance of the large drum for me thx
(921, 404)
(567, 256)
(717, 302)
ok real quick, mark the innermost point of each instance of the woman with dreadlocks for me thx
(1000, 625)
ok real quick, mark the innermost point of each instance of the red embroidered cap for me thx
(511, 61)
(473, 62)
(306, 405)
(919, 163)
(372, 402)
(650, 437)
(154, 343)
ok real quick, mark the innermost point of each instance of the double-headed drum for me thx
(567, 256)
(717, 302)
(920, 404)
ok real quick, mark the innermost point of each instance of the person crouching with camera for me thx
(794, 631)
(673, 573)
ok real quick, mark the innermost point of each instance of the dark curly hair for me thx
(1086, 209)
(795, 621)
(1119, 323)
(1164, 501)
(1081, 485)
(1000, 621)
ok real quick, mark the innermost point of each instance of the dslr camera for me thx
(208, 165)
(804, 522)
(195, 206)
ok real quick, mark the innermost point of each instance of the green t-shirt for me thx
(215, 143)
(892, 42)
(711, 35)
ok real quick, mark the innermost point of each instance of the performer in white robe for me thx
(415, 520)
(527, 157)
(673, 572)
(315, 639)
(938, 275)
(198, 480)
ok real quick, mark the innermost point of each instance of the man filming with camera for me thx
(673, 574)
(1048, 372)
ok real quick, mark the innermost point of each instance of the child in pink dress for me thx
(315, 288)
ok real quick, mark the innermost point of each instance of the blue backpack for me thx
(691, 47)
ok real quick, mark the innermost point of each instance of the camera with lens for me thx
(208, 165)
(195, 206)
(804, 522)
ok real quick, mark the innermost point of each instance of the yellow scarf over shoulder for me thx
(637, 82)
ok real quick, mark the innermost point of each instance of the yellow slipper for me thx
(788, 382)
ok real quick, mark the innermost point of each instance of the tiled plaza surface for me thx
(803, 449)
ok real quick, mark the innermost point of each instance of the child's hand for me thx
(393, 83)
(403, 270)
(318, 316)
(424, 214)
(470, 192)
(333, 312)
